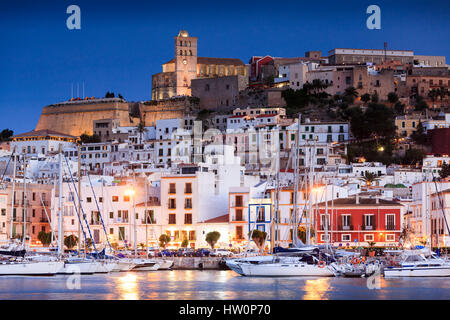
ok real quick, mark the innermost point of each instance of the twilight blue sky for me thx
(122, 43)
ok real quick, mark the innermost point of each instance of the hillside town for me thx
(350, 148)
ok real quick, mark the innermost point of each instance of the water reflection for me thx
(128, 287)
(317, 289)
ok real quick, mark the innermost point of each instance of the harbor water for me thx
(216, 285)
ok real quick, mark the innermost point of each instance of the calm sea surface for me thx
(218, 285)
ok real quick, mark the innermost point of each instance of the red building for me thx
(440, 140)
(358, 221)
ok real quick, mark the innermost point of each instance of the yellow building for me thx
(405, 125)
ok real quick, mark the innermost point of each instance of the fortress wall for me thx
(76, 119)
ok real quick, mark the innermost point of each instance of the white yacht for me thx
(144, 264)
(281, 267)
(418, 265)
(79, 265)
(30, 268)
(165, 264)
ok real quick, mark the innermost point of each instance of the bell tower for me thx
(185, 62)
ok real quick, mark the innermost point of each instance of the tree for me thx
(120, 96)
(350, 94)
(369, 178)
(45, 237)
(392, 97)
(141, 129)
(301, 233)
(70, 241)
(419, 136)
(433, 94)
(365, 97)
(164, 239)
(109, 94)
(212, 238)
(445, 171)
(399, 108)
(420, 104)
(185, 243)
(85, 138)
(375, 98)
(259, 237)
(413, 156)
(89, 243)
(6, 134)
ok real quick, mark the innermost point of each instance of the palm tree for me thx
(140, 128)
(369, 178)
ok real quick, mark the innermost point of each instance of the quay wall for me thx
(195, 263)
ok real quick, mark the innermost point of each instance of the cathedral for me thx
(175, 78)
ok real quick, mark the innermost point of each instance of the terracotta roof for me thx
(219, 219)
(44, 133)
(345, 202)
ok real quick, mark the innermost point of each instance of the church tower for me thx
(185, 62)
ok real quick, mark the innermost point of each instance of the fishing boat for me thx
(415, 264)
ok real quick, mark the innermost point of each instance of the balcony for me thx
(121, 220)
(149, 221)
(172, 206)
(43, 220)
(95, 223)
(390, 227)
(172, 191)
(368, 227)
(187, 191)
(238, 219)
(322, 227)
(345, 228)
(188, 206)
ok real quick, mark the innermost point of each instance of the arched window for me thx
(185, 43)
(190, 52)
(181, 43)
(185, 52)
(181, 52)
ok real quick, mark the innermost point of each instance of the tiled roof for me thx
(219, 219)
(362, 202)
(44, 133)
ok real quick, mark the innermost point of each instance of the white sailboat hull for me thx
(123, 265)
(281, 270)
(105, 266)
(31, 268)
(437, 271)
(88, 267)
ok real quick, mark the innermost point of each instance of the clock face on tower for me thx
(184, 61)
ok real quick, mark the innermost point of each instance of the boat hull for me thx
(89, 267)
(31, 268)
(281, 270)
(439, 271)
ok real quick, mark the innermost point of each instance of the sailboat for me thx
(301, 260)
(13, 261)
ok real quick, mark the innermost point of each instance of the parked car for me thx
(185, 252)
(221, 253)
(202, 253)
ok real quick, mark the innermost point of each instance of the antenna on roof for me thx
(78, 90)
(72, 92)
(83, 91)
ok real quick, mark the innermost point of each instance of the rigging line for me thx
(6, 168)
(81, 207)
(99, 212)
(440, 202)
(79, 219)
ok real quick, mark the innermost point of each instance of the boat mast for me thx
(60, 214)
(24, 200)
(145, 215)
(13, 195)
(134, 214)
(296, 169)
(79, 197)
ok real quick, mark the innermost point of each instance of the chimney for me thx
(357, 198)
